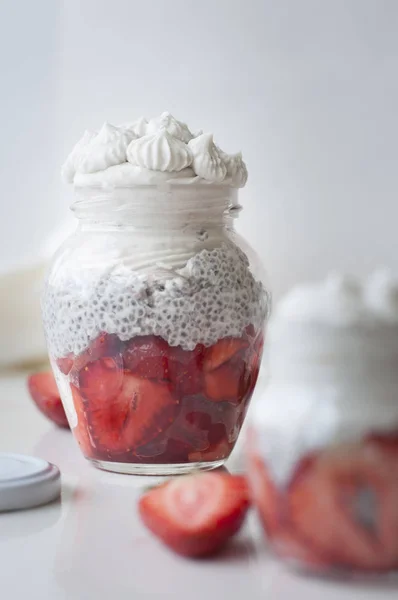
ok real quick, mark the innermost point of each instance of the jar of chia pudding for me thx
(154, 309)
(323, 445)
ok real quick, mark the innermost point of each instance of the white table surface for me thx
(91, 545)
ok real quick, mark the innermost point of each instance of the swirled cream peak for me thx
(176, 128)
(236, 169)
(106, 149)
(160, 151)
(135, 129)
(207, 162)
(69, 168)
(144, 152)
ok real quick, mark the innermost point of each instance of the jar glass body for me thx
(154, 316)
(322, 456)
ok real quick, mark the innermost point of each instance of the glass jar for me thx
(322, 451)
(154, 313)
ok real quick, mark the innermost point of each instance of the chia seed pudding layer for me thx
(214, 296)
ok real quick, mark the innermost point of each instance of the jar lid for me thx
(26, 481)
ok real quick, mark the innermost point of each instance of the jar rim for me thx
(144, 203)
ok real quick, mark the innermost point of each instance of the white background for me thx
(307, 89)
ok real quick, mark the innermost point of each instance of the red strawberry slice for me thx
(191, 425)
(105, 345)
(186, 378)
(344, 503)
(227, 382)
(270, 504)
(264, 493)
(186, 370)
(201, 423)
(136, 415)
(250, 332)
(147, 356)
(81, 431)
(222, 352)
(65, 364)
(101, 380)
(387, 442)
(44, 391)
(196, 515)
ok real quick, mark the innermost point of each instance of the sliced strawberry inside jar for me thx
(147, 356)
(104, 345)
(65, 364)
(137, 414)
(226, 383)
(101, 380)
(222, 352)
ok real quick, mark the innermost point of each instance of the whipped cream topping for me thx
(106, 149)
(207, 161)
(160, 151)
(141, 152)
(176, 128)
(136, 128)
(70, 166)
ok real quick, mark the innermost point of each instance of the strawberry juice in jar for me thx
(322, 451)
(154, 309)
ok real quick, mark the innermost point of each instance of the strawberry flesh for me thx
(147, 356)
(226, 383)
(137, 414)
(222, 352)
(65, 364)
(44, 391)
(196, 515)
(101, 380)
(326, 506)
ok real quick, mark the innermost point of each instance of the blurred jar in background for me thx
(22, 340)
(323, 446)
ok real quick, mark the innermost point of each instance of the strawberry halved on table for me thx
(344, 503)
(44, 391)
(196, 515)
(139, 411)
(222, 352)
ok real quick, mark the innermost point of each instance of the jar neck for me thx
(157, 208)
